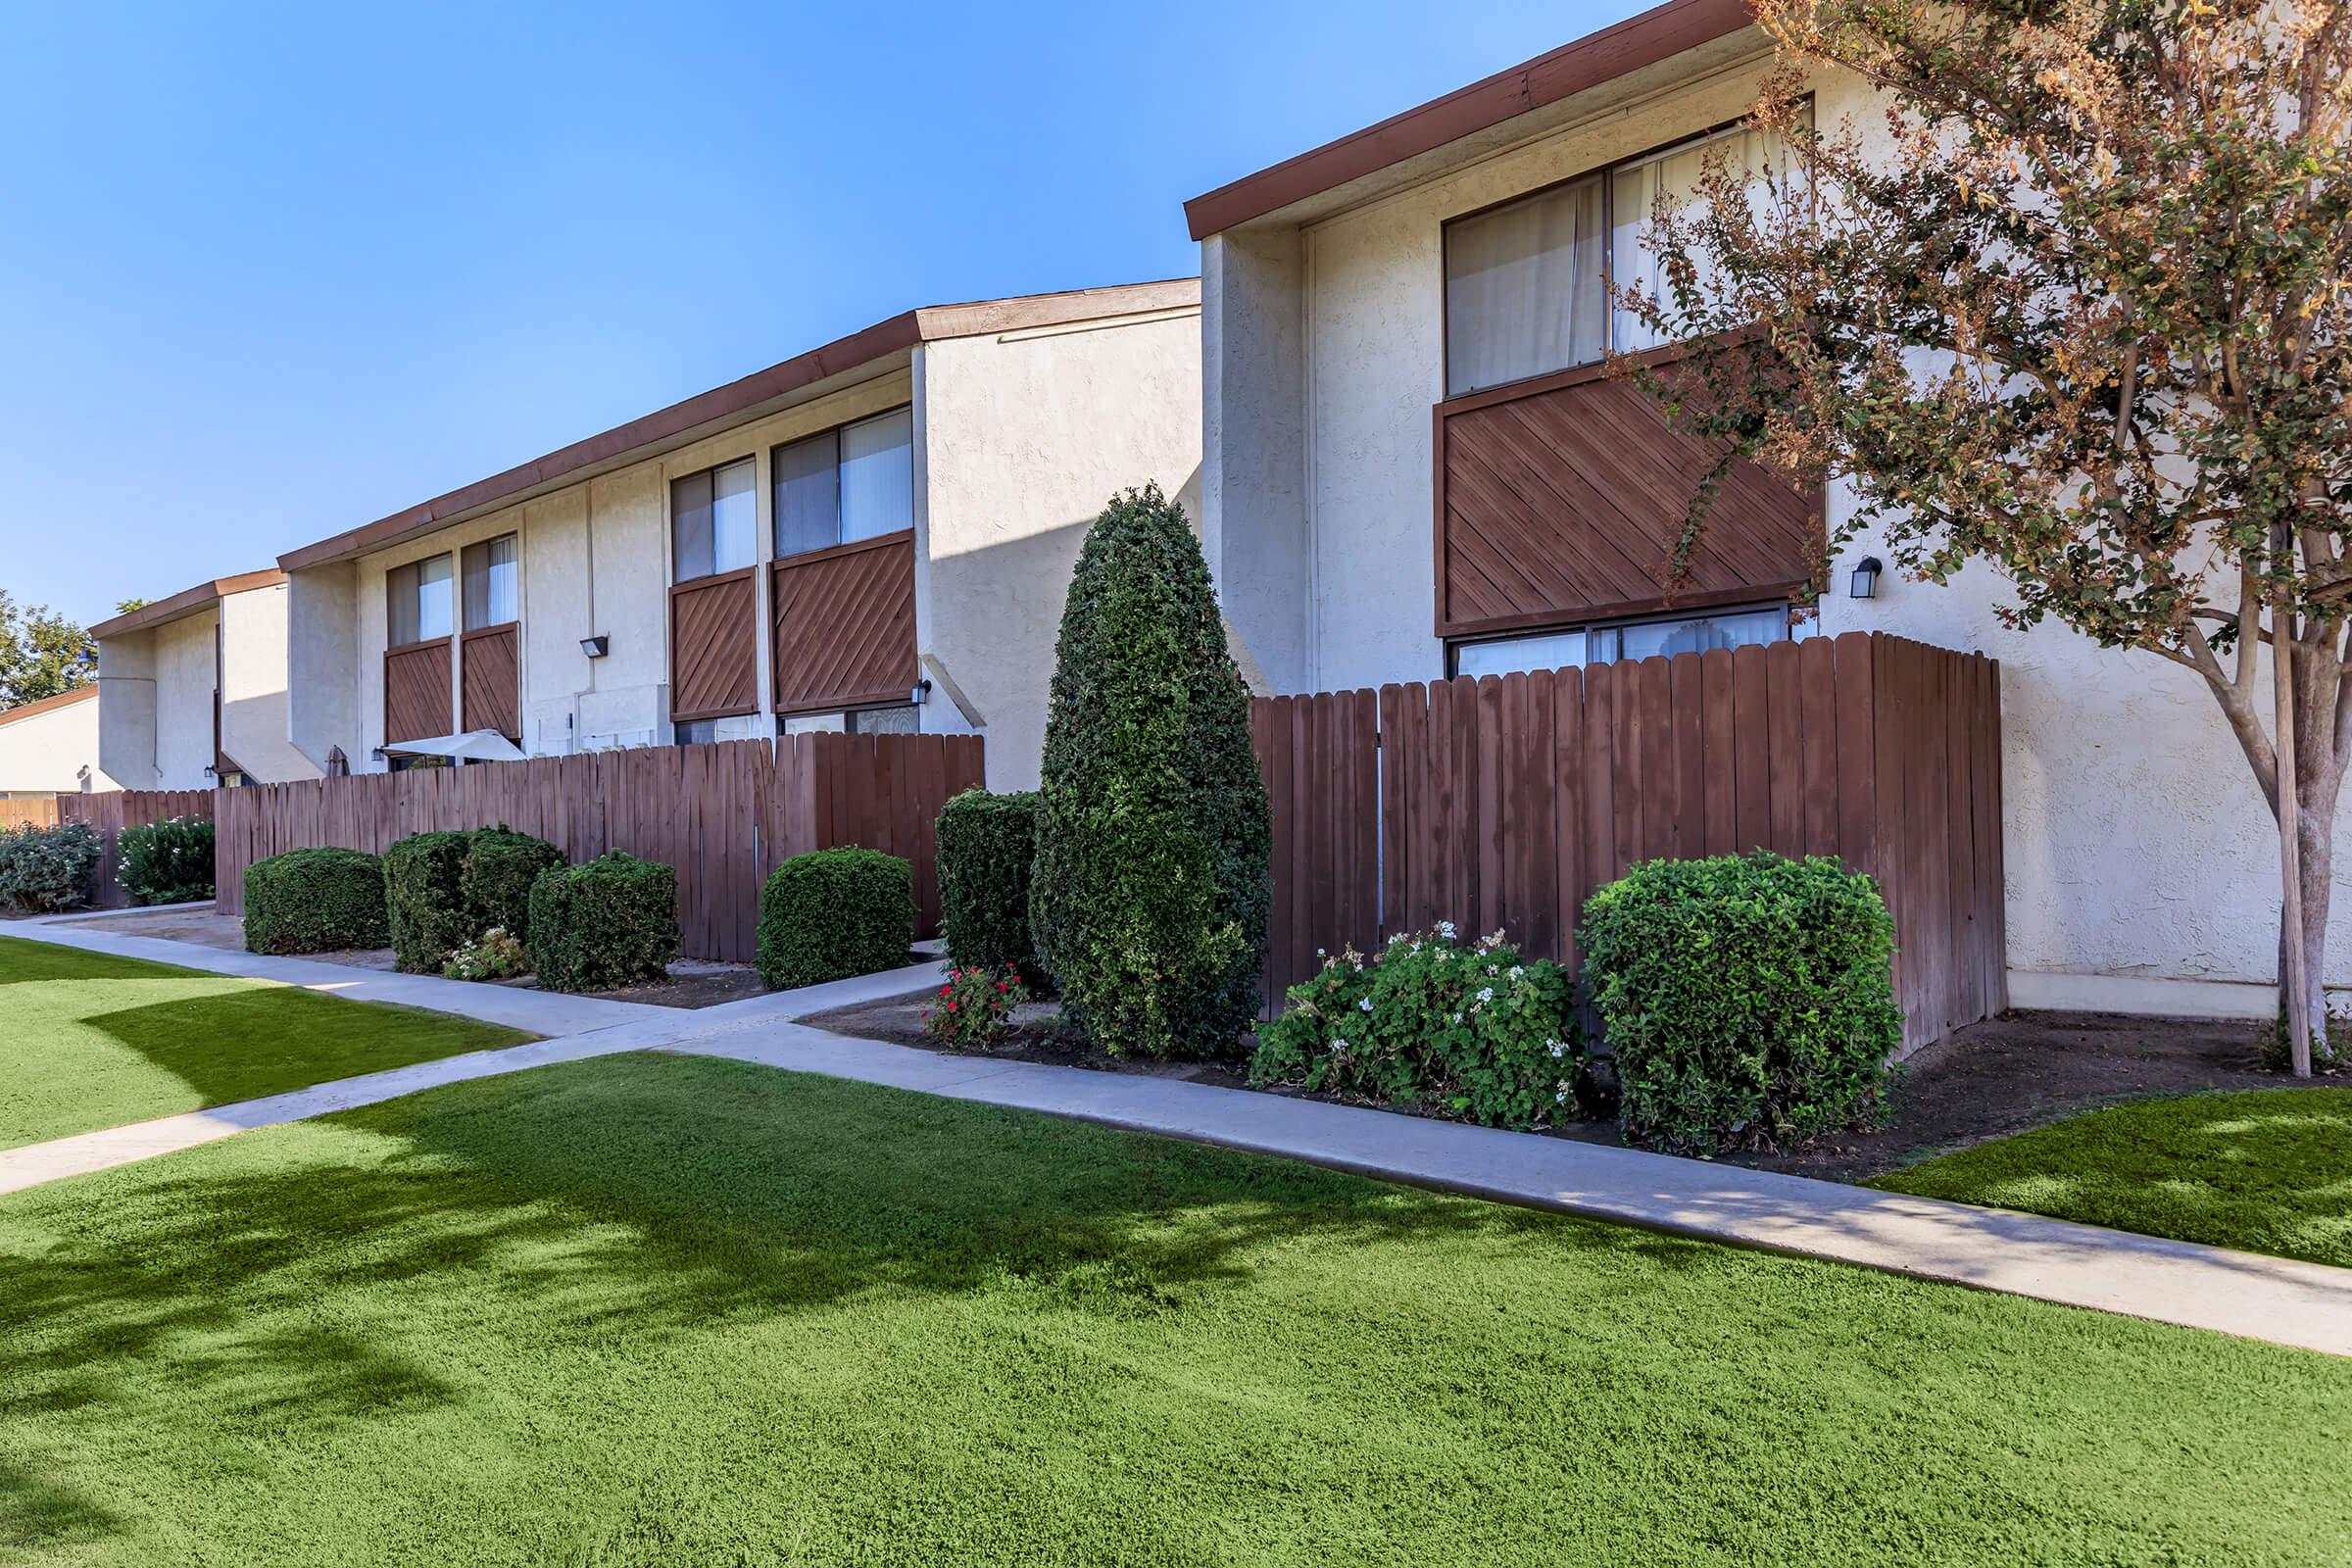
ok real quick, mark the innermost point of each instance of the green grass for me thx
(654, 1309)
(90, 1041)
(2269, 1171)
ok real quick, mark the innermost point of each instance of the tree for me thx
(123, 607)
(41, 654)
(2084, 313)
(1151, 885)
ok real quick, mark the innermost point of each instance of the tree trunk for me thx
(2294, 946)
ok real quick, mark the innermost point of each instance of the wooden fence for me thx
(113, 810)
(723, 814)
(22, 812)
(1504, 803)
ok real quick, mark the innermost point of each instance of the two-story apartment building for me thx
(192, 689)
(874, 535)
(1415, 464)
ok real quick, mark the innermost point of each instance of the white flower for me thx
(1516, 971)
(1363, 1005)
(1338, 1045)
(1445, 929)
(1562, 1097)
(1457, 1017)
(1557, 1047)
(1486, 993)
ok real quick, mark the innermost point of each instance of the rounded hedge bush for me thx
(1749, 999)
(166, 862)
(424, 888)
(496, 878)
(52, 867)
(832, 915)
(605, 923)
(1150, 886)
(986, 842)
(315, 901)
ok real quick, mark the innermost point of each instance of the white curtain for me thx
(877, 476)
(1675, 176)
(734, 517)
(1523, 288)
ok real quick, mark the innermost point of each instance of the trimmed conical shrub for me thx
(1150, 889)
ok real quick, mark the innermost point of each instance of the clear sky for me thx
(271, 272)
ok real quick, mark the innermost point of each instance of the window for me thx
(696, 731)
(713, 520)
(1610, 642)
(1528, 283)
(839, 486)
(491, 583)
(418, 606)
(898, 720)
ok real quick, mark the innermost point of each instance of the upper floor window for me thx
(713, 520)
(1528, 284)
(846, 484)
(491, 583)
(416, 602)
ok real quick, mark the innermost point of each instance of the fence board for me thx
(113, 810)
(1504, 802)
(723, 814)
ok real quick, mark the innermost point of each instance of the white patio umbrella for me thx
(474, 746)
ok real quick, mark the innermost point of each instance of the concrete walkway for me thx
(2303, 1305)
(541, 1012)
(2294, 1303)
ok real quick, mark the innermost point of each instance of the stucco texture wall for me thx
(184, 701)
(45, 753)
(2140, 859)
(1025, 437)
(254, 729)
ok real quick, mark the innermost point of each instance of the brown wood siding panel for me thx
(845, 626)
(714, 654)
(1565, 500)
(723, 815)
(417, 691)
(1504, 803)
(491, 670)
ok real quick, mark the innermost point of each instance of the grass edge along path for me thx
(662, 1309)
(95, 1041)
(2266, 1170)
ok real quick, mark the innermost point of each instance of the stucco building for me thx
(192, 689)
(50, 747)
(874, 535)
(1414, 465)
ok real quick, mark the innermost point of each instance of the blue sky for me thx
(267, 272)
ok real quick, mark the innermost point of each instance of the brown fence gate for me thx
(723, 814)
(1502, 803)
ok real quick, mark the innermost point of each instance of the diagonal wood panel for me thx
(416, 691)
(1567, 498)
(491, 676)
(845, 626)
(713, 669)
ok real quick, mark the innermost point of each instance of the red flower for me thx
(950, 1006)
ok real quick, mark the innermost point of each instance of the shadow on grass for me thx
(272, 1278)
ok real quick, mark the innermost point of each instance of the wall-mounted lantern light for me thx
(596, 647)
(1866, 577)
(921, 693)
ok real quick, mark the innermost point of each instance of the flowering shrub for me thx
(166, 863)
(1471, 1033)
(46, 868)
(495, 955)
(975, 1006)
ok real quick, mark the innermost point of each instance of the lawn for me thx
(90, 1041)
(656, 1309)
(2265, 1172)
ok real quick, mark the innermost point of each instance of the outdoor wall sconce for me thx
(1866, 577)
(596, 647)
(921, 693)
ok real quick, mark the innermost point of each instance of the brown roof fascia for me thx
(47, 705)
(187, 602)
(1616, 51)
(896, 335)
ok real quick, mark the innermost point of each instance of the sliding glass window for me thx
(493, 595)
(713, 520)
(846, 484)
(416, 602)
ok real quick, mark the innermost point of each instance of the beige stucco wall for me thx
(254, 727)
(2141, 865)
(156, 688)
(1024, 437)
(55, 752)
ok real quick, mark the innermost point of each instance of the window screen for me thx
(807, 493)
(491, 583)
(713, 520)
